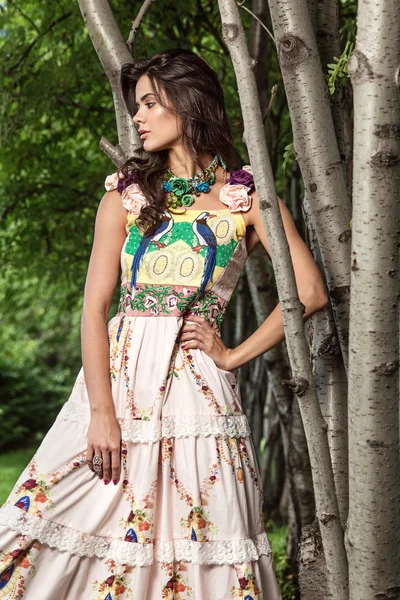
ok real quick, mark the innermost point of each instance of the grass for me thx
(11, 466)
(277, 535)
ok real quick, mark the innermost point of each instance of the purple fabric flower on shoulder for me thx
(241, 177)
(123, 183)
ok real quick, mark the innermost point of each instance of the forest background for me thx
(55, 104)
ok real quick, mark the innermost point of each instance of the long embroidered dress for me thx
(185, 520)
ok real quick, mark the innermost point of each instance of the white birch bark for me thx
(300, 504)
(373, 533)
(292, 313)
(325, 18)
(113, 52)
(331, 383)
(316, 150)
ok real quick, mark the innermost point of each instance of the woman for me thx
(156, 406)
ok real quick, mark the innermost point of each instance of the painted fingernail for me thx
(106, 481)
(115, 481)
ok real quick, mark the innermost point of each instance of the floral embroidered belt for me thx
(170, 301)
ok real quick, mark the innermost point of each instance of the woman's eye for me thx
(150, 104)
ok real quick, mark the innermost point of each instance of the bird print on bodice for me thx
(205, 237)
(165, 225)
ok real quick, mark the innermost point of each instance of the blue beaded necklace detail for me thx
(183, 189)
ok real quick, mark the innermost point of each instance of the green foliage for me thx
(55, 105)
(277, 535)
(11, 466)
(337, 71)
(288, 157)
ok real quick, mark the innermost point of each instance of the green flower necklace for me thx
(183, 189)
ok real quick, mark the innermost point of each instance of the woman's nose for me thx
(137, 118)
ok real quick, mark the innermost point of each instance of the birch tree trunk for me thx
(113, 52)
(316, 150)
(301, 506)
(302, 379)
(328, 40)
(373, 534)
(331, 382)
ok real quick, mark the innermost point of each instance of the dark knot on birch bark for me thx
(298, 384)
(359, 67)
(230, 31)
(292, 51)
(327, 517)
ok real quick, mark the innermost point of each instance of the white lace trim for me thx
(140, 430)
(64, 538)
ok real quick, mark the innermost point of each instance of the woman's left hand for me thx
(196, 332)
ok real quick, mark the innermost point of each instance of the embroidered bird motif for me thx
(206, 238)
(23, 503)
(162, 229)
(131, 536)
(6, 575)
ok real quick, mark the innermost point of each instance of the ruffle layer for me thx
(129, 553)
(177, 426)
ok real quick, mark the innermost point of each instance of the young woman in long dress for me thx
(147, 484)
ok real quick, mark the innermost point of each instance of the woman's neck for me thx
(183, 166)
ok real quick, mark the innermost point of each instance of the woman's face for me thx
(161, 123)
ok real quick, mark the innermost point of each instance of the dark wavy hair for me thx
(191, 89)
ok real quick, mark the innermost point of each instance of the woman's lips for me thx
(144, 134)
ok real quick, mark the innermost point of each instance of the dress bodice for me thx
(190, 263)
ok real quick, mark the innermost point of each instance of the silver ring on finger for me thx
(97, 463)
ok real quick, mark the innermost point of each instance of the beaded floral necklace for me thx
(183, 190)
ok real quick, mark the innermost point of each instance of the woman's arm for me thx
(310, 285)
(311, 289)
(102, 277)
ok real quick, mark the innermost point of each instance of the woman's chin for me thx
(152, 146)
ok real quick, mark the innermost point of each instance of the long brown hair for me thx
(193, 91)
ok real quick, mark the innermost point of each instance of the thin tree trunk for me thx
(292, 314)
(328, 40)
(312, 569)
(113, 52)
(297, 462)
(331, 381)
(373, 533)
(316, 150)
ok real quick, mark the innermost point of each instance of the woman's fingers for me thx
(194, 335)
(111, 466)
(195, 322)
(89, 458)
(106, 466)
(116, 465)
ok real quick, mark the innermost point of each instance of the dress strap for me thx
(132, 196)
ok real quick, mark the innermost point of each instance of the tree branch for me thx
(136, 23)
(35, 41)
(21, 12)
(240, 4)
(91, 108)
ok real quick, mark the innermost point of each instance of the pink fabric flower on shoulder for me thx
(133, 198)
(236, 193)
(111, 182)
(236, 197)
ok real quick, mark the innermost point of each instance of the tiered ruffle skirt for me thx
(185, 521)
